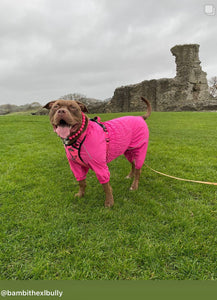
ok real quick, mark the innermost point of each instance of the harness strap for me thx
(74, 149)
(97, 120)
(74, 152)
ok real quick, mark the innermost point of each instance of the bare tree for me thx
(213, 86)
(74, 96)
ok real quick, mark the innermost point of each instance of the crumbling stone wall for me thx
(187, 91)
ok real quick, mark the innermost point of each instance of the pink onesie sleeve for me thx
(80, 172)
(101, 170)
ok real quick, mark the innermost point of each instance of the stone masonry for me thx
(187, 91)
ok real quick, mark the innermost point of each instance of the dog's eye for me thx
(72, 107)
(56, 106)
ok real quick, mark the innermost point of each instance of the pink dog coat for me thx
(127, 135)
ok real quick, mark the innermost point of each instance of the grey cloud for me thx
(53, 47)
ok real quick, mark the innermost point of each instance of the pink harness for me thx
(74, 149)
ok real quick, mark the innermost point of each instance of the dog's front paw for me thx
(134, 187)
(109, 202)
(79, 195)
(82, 186)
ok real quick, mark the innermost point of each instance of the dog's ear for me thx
(83, 107)
(49, 104)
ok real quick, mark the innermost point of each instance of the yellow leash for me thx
(182, 179)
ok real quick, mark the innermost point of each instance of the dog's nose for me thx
(61, 111)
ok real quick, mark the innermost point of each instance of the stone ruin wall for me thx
(187, 91)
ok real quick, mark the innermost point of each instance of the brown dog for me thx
(91, 144)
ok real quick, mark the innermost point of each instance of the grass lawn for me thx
(165, 230)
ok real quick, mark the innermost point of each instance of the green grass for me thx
(165, 230)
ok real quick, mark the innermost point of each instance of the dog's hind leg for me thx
(135, 183)
(132, 172)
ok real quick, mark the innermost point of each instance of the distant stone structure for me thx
(187, 91)
(11, 108)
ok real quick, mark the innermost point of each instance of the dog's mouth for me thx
(64, 130)
(63, 123)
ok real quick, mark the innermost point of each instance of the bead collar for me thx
(68, 139)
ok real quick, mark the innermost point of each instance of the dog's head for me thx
(66, 116)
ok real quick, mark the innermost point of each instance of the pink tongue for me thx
(63, 131)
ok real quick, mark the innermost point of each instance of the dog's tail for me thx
(148, 108)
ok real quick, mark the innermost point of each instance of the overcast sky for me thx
(50, 48)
